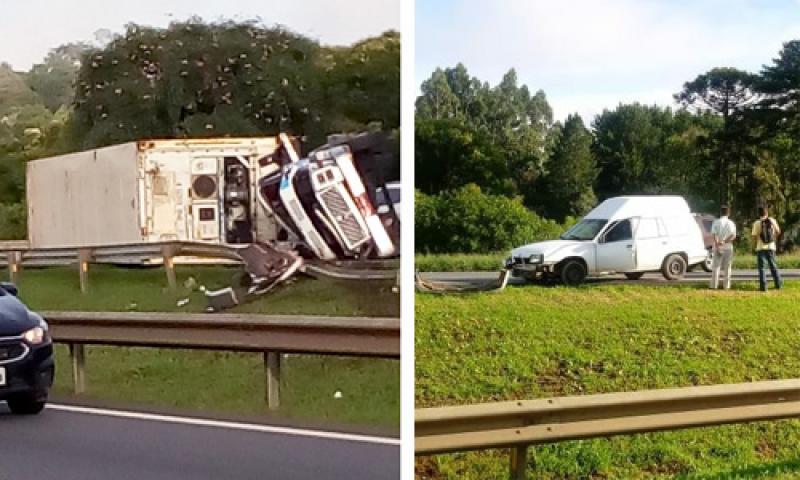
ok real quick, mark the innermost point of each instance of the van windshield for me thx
(586, 229)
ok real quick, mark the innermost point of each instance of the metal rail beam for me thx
(349, 336)
(512, 424)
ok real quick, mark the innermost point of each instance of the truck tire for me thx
(572, 272)
(634, 275)
(674, 267)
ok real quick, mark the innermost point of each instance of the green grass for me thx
(227, 382)
(489, 262)
(534, 342)
(145, 289)
(224, 381)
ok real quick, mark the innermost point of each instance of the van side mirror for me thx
(10, 288)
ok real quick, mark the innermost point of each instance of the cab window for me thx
(620, 231)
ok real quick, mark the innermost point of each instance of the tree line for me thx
(191, 79)
(734, 140)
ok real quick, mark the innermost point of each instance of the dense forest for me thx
(192, 79)
(494, 155)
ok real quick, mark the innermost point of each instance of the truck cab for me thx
(629, 235)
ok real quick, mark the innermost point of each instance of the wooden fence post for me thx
(84, 257)
(519, 463)
(14, 261)
(272, 362)
(168, 252)
(77, 353)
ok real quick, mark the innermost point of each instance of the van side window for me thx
(619, 232)
(648, 228)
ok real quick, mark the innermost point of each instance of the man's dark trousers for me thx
(767, 256)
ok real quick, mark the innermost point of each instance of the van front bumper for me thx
(528, 267)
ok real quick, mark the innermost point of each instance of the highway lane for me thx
(74, 443)
(462, 279)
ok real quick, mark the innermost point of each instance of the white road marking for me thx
(251, 427)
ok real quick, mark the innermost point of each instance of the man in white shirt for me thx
(724, 232)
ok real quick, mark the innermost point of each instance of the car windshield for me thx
(586, 229)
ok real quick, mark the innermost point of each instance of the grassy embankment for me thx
(224, 381)
(533, 342)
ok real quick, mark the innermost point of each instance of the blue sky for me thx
(30, 28)
(589, 55)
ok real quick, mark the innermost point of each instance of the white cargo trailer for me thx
(153, 191)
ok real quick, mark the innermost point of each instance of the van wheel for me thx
(634, 275)
(706, 265)
(573, 272)
(674, 267)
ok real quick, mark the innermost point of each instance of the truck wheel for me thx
(674, 267)
(634, 275)
(573, 272)
(26, 404)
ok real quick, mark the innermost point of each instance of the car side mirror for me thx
(10, 288)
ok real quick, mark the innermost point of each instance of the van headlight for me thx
(536, 258)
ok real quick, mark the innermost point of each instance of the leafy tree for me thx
(727, 92)
(780, 86)
(363, 85)
(53, 80)
(513, 126)
(628, 146)
(437, 101)
(468, 220)
(14, 92)
(451, 153)
(568, 186)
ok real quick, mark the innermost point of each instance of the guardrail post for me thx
(168, 252)
(272, 362)
(84, 256)
(14, 260)
(519, 463)
(78, 355)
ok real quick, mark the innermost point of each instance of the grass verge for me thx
(224, 381)
(533, 342)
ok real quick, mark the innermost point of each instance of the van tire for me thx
(634, 275)
(674, 267)
(572, 272)
(706, 265)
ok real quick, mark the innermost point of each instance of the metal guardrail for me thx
(519, 424)
(271, 334)
(18, 254)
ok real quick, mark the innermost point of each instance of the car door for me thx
(615, 249)
(650, 245)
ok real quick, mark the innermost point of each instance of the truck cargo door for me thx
(164, 207)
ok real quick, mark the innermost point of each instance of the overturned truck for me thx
(256, 195)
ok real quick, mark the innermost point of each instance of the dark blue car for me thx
(26, 355)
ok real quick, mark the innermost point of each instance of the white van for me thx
(630, 235)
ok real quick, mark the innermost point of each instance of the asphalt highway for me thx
(78, 443)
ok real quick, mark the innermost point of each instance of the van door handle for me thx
(629, 247)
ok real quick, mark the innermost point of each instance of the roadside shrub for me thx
(13, 221)
(467, 220)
